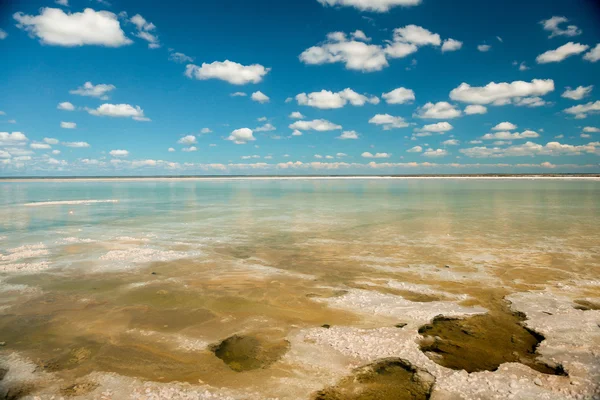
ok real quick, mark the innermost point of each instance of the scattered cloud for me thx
(506, 135)
(40, 146)
(593, 55)
(68, 125)
(65, 105)
(388, 121)
(416, 149)
(440, 110)
(367, 154)
(435, 153)
(582, 110)
(346, 135)
(399, 96)
(260, 97)
(51, 141)
(439, 127)
(591, 129)
(55, 27)
(371, 5)
(265, 128)
(238, 94)
(561, 53)
(144, 31)
(296, 115)
(119, 153)
(171, 150)
(531, 149)
(319, 125)
(205, 130)
(189, 149)
(119, 111)
(579, 93)
(451, 142)
(475, 109)
(76, 144)
(187, 140)
(326, 99)
(484, 48)
(91, 90)
(501, 93)
(451, 45)
(553, 25)
(229, 71)
(14, 138)
(241, 136)
(180, 58)
(3, 34)
(505, 126)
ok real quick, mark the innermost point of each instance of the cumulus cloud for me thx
(76, 144)
(435, 153)
(578, 93)
(189, 149)
(205, 130)
(475, 109)
(119, 153)
(187, 140)
(319, 125)
(296, 115)
(561, 53)
(365, 57)
(360, 35)
(529, 102)
(51, 141)
(451, 142)
(501, 93)
(91, 90)
(371, 5)
(416, 149)
(119, 111)
(484, 48)
(68, 125)
(326, 99)
(388, 121)
(229, 71)
(440, 110)
(260, 97)
(14, 138)
(399, 96)
(440, 127)
(348, 135)
(531, 149)
(179, 58)
(582, 110)
(144, 31)
(553, 25)
(65, 105)
(591, 129)
(451, 45)
(171, 150)
(241, 136)
(265, 128)
(238, 94)
(40, 146)
(505, 126)
(3, 34)
(55, 27)
(593, 55)
(367, 154)
(506, 135)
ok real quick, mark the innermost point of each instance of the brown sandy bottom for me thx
(227, 327)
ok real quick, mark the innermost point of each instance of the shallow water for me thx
(146, 284)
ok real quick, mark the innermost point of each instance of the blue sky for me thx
(382, 86)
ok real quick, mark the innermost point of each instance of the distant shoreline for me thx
(593, 177)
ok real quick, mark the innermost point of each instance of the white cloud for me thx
(144, 28)
(40, 146)
(260, 97)
(435, 153)
(416, 149)
(228, 71)
(475, 109)
(180, 57)
(399, 96)
(54, 27)
(593, 55)
(318, 156)
(579, 93)
(189, 149)
(360, 35)
(119, 153)
(484, 47)
(296, 115)
(241, 136)
(187, 140)
(501, 93)
(91, 90)
(371, 5)
(65, 105)
(319, 125)
(591, 129)
(296, 133)
(366, 154)
(585, 135)
(564, 51)
(346, 135)
(451, 45)
(531, 149)
(440, 110)
(76, 144)
(529, 102)
(326, 99)
(171, 150)
(119, 111)
(388, 121)
(522, 66)
(15, 138)
(265, 128)
(505, 126)
(580, 111)
(55, 152)
(552, 25)
(506, 135)
(416, 35)
(68, 125)
(205, 130)
(261, 119)
(238, 94)
(439, 127)
(51, 141)
(451, 142)
(3, 34)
